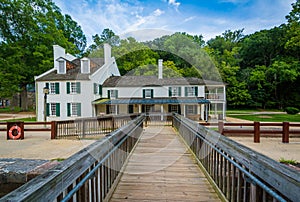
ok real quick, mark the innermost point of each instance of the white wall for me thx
(85, 97)
(137, 92)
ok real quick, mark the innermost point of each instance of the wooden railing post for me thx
(256, 132)
(285, 132)
(221, 127)
(83, 128)
(53, 130)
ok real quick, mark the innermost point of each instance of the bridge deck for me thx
(161, 169)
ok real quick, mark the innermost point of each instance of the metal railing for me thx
(87, 175)
(237, 172)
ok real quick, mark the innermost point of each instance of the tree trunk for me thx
(24, 99)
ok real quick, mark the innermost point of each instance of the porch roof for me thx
(152, 101)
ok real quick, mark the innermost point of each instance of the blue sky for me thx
(148, 19)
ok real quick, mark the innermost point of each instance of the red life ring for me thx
(12, 135)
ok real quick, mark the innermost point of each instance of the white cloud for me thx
(158, 12)
(131, 15)
(174, 3)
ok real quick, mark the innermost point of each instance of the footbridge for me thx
(173, 159)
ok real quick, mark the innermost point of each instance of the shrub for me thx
(292, 110)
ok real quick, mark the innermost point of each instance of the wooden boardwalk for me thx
(161, 169)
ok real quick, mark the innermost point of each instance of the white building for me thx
(91, 87)
(73, 85)
(191, 97)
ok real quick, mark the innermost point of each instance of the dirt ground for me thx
(38, 145)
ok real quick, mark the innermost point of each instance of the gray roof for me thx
(74, 73)
(136, 81)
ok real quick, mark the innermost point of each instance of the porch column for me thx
(162, 112)
(184, 114)
(140, 108)
(199, 111)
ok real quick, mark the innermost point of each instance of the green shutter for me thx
(144, 93)
(78, 109)
(48, 109)
(170, 91)
(78, 90)
(108, 94)
(68, 87)
(152, 93)
(95, 88)
(58, 109)
(47, 85)
(116, 93)
(68, 109)
(186, 91)
(56, 88)
(196, 91)
(179, 91)
(100, 90)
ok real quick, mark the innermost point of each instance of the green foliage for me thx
(292, 110)
(28, 29)
(288, 161)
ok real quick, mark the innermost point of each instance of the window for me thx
(85, 66)
(191, 109)
(111, 109)
(191, 91)
(73, 109)
(148, 93)
(73, 88)
(53, 109)
(61, 67)
(174, 91)
(112, 94)
(53, 88)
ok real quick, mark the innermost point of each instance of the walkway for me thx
(161, 169)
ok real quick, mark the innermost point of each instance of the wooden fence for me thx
(237, 172)
(78, 128)
(258, 129)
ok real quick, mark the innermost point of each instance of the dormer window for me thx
(85, 66)
(61, 66)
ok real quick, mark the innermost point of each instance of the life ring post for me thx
(15, 130)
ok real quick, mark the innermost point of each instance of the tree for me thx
(107, 36)
(293, 32)
(28, 29)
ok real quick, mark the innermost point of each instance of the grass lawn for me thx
(33, 119)
(249, 111)
(267, 117)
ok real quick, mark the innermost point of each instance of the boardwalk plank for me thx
(161, 169)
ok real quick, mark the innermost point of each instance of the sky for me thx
(149, 19)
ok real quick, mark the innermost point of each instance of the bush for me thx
(292, 110)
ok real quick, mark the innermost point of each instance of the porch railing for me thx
(237, 172)
(214, 96)
(87, 175)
